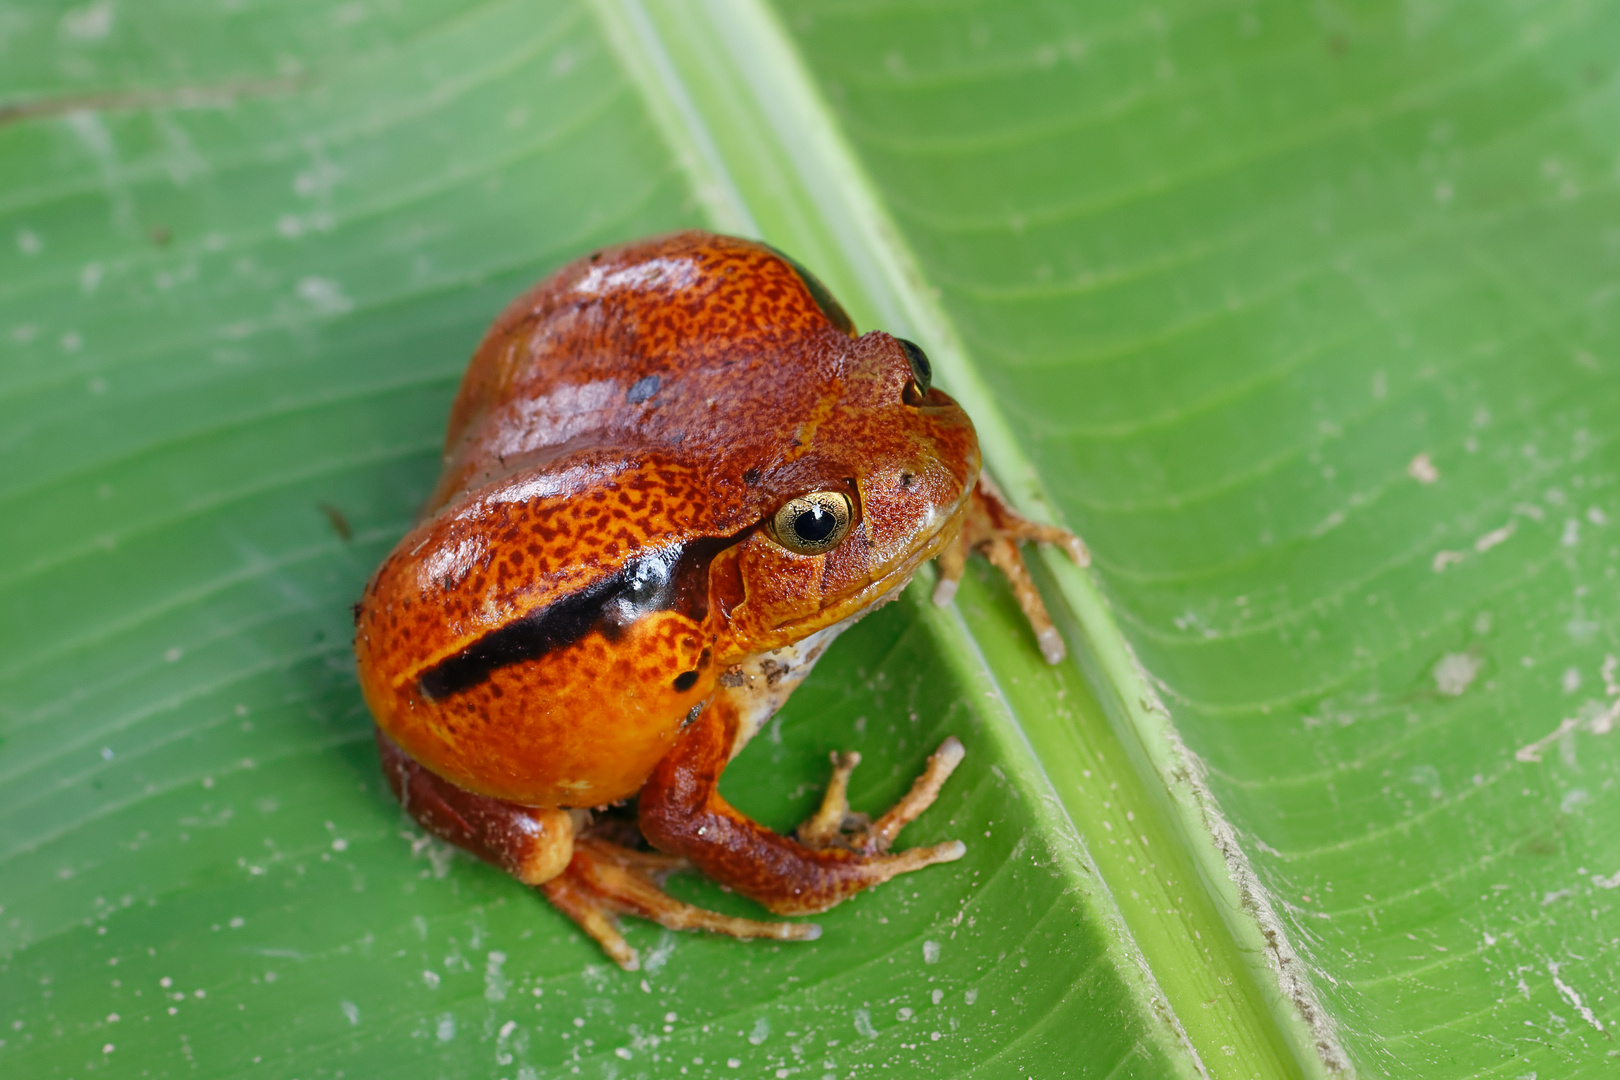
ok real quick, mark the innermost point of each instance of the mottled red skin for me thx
(557, 475)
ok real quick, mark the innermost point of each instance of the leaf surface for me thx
(1301, 317)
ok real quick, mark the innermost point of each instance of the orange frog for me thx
(674, 473)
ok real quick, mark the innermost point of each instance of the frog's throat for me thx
(759, 685)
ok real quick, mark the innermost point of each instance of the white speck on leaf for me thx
(1532, 751)
(495, 982)
(324, 295)
(1443, 559)
(1455, 672)
(90, 23)
(1422, 469)
(1494, 537)
(1574, 998)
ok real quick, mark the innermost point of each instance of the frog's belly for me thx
(581, 726)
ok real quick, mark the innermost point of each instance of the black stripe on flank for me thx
(532, 636)
(673, 578)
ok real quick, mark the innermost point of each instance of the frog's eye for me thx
(922, 372)
(813, 523)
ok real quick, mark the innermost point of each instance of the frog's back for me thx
(705, 349)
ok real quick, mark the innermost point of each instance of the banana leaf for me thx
(1301, 316)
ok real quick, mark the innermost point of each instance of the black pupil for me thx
(814, 525)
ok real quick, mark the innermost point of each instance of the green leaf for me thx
(1301, 317)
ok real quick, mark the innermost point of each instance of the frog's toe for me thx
(832, 821)
(605, 880)
(924, 790)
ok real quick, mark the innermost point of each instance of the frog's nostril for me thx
(685, 681)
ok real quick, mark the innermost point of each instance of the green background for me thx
(1301, 315)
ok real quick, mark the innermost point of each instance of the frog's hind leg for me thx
(586, 876)
(836, 855)
(605, 880)
(531, 844)
(994, 528)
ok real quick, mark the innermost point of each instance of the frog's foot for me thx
(836, 855)
(605, 880)
(994, 528)
(834, 825)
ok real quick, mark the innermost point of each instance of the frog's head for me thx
(871, 481)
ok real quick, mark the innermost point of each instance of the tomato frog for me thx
(674, 473)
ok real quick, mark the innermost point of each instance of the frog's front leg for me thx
(683, 813)
(996, 529)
